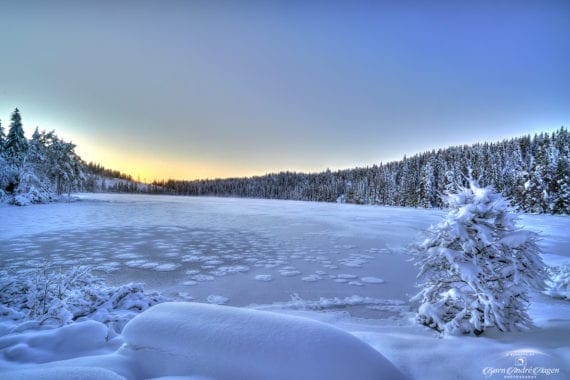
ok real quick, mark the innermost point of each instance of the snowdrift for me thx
(199, 341)
(220, 342)
(49, 345)
(60, 373)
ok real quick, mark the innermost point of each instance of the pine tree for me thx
(34, 184)
(5, 174)
(2, 139)
(64, 165)
(476, 266)
(427, 194)
(562, 186)
(16, 143)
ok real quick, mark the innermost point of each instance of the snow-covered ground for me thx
(344, 265)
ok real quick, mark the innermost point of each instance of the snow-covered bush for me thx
(33, 187)
(52, 297)
(8, 174)
(559, 282)
(32, 190)
(476, 266)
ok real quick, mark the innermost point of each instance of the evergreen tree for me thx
(2, 139)
(64, 167)
(4, 168)
(562, 187)
(16, 143)
(427, 193)
(33, 184)
(477, 267)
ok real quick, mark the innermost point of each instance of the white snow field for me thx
(335, 278)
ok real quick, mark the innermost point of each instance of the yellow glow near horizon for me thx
(147, 168)
(144, 165)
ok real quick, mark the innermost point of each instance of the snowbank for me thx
(176, 339)
(58, 373)
(42, 346)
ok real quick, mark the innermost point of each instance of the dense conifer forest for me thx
(532, 171)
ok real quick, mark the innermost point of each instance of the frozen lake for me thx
(248, 251)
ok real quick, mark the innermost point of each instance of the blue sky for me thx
(214, 89)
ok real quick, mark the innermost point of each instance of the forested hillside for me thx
(534, 172)
(99, 179)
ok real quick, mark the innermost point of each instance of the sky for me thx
(205, 89)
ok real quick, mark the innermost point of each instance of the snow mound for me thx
(58, 373)
(42, 346)
(221, 342)
(289, 272)
(166, 267)
(264, 277)
(311, 278)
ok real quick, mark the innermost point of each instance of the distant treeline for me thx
(101, 179)
(534, 172)
(98, 169)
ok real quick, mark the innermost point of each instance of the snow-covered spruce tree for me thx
(2, 138)
(477, 267)
(34, 185)
(16, 144)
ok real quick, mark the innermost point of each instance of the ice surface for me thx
(171, 243)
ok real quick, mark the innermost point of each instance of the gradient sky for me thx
(194, 89)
